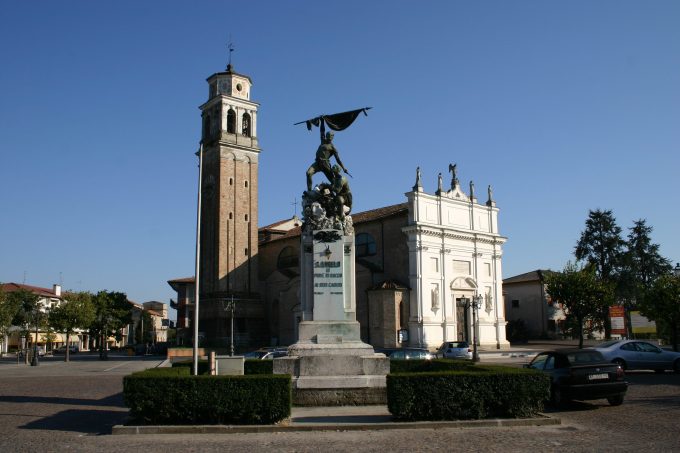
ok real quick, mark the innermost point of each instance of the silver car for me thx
(639, 355)
(455, 350)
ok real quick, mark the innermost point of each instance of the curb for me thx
(288, 426)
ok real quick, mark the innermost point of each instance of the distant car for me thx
(581, 374)
(266, 354)
(455, 350)
(405, 353)
(639, 355)
(62, 349)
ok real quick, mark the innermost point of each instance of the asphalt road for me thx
(71, 407)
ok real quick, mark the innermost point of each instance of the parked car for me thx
(581, 374)
(639, 355)
(62, 349)
(405, 353)
(266, 354)
(455, 350)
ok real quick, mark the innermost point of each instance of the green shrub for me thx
(251, 366)
(174, 397)
(481, 391)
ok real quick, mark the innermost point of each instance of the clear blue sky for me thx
(562, 106)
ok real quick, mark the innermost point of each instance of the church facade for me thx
(420, 266)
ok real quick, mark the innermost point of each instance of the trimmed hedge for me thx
(250, 366)
(480, 391)
(172, 396)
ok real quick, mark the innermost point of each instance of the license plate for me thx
(593, 377)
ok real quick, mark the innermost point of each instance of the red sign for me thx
(617, 317)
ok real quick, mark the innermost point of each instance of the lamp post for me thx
(231, 305)
(476, 303)
(36, 319)
(676, 270)
(198, 258)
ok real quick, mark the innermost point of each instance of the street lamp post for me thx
(34, 360)
(198, 259)
(476, 303)
(231, 305)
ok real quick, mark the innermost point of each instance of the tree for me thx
(8, 309)
(27, 312)
(641, 266)
(76, 312)
(662, 304)
(146, 323)
(581, 293)
(112, 312)
(601, 246)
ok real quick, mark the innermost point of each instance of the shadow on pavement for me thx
(80, 420)
(110, 401)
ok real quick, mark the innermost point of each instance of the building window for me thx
(230, 215)
(231, 181)
(434, 264)
(487, 267)
(245, 183)
(246, 251)
(364, 245)
(231, 121)
(246, 217)
(246, 125)
(515, 303)
(287, 258)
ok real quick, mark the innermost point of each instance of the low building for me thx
(528, 302)
(49, 298)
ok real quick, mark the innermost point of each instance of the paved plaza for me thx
(64, 407)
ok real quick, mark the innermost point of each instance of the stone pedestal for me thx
(329, 364)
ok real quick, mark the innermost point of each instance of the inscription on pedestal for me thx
(329, 291)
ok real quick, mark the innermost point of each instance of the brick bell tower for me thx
(228, 266)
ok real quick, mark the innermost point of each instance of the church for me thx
(427, 270)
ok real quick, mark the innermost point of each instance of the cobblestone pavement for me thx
(71, 407)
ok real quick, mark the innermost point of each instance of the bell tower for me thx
(228, 267)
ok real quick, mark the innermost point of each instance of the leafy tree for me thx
(662, 304)
(27, 313)
(601, 246)
(76, 312)
(8, 309)
(581, 293)
(112, 312)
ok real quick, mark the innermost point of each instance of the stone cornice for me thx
(448, 233)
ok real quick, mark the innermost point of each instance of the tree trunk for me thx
(580, 333)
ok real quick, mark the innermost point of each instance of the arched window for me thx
(246, 125)
(231, 121)
(364, 245)
(287, 258)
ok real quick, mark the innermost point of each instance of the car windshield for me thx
(255, 354)
(458, 345)
(584, 357)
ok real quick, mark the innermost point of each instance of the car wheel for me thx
(621, 363)
(676, 366)
(556, 398)
(615, 400)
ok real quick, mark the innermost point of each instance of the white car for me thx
(455, 350)
(639, 355)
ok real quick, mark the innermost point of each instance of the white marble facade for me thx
(455, 254)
